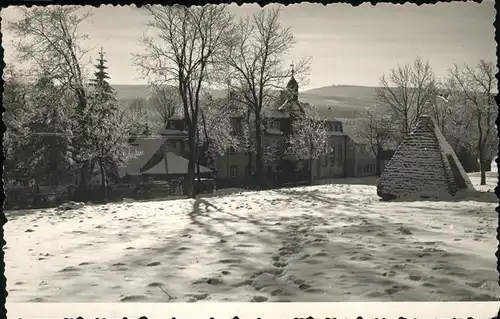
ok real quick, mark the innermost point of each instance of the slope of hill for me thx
(341, 101)
(130, 92)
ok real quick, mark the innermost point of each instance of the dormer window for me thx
(170, 125)
(274, 124)
(334, 127)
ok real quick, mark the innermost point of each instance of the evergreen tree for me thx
(108, 128)
(101, 76)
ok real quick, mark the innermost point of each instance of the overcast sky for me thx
(348, 45)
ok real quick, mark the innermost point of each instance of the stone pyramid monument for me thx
(424, 164)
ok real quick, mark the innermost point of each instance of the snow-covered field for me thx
(322, 243)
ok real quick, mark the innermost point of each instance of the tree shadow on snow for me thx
(313, 194)
(229, 220)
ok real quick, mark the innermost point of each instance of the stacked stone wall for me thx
(420, 165)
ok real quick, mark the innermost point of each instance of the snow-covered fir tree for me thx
(108, 128)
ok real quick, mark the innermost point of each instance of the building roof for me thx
(151, 159)
(147, 148)
(292, 84)
(172, 132)
(177, 165)
(349, 128)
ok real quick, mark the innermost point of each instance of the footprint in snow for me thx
(69, 269)
(154, 263)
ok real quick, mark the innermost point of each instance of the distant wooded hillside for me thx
(340, 101)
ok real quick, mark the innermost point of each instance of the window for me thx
(170, 125)
(233, 171)
(173, 143)
(181, 142)
(360, 168)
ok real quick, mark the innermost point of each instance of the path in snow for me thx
(322, 243)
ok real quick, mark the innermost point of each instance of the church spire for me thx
(293, 86)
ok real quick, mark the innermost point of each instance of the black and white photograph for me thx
(225, 153)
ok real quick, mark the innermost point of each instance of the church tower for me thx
(293, 88)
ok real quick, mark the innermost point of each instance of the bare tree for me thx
(256, 66)
(50, 39)
(452, 117)
(408, 90)
(476, 85)
(309, 140)
(165, 100)
(377, 130)
(217, 134)
(139, 114)
(440, 105)
(189, 43)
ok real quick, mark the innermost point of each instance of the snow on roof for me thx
(349, 129)
(147, 147)
(166, 131)
(274, 131)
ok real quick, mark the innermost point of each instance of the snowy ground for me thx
(322, 243)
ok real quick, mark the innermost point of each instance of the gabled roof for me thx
(151, 160)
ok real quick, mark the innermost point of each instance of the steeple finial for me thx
(293, 71)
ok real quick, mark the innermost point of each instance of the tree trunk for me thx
(199, 156)
(258, 153)
(104, 180)
(190, 178)
(378, 163)
(198, 184)
(311, 173)
(228, 166)
(36, 200)
(482, 164)
(249, 163)
(81, 193)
